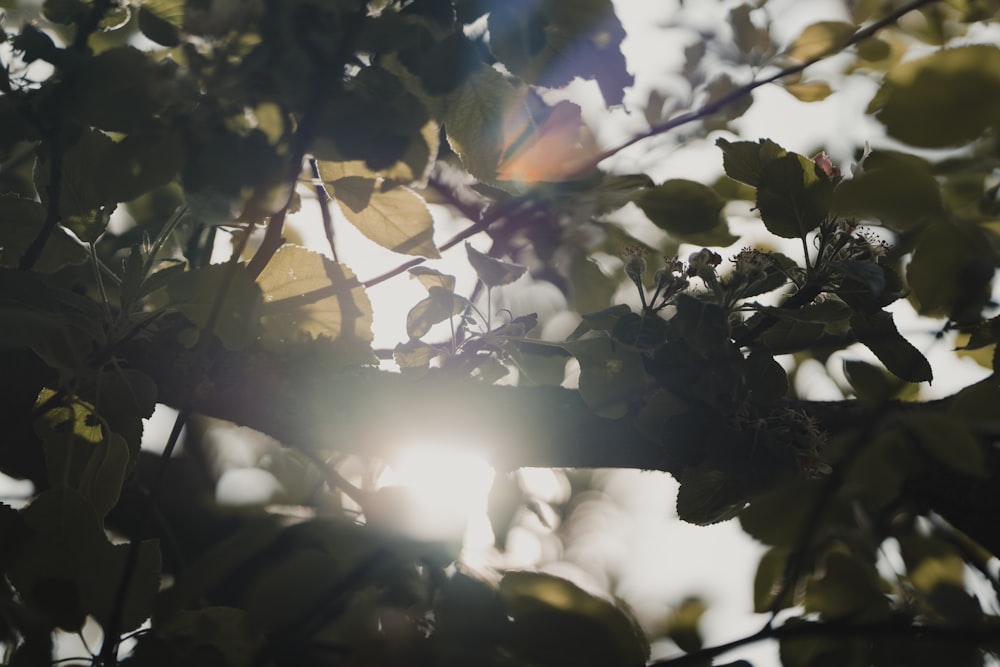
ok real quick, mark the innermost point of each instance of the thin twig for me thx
(324, 206)
(718, 105)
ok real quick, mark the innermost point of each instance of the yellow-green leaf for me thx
(810, 91)
(397, 218)
(308, 296)
(820, 39)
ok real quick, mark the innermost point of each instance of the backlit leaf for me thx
(846, 588)
(492, 271)
(951, 272)
(809, 91)
(308, 296)
(161, 20)
(395, 218)
(820, 39)
(439, 305)
(944, 99)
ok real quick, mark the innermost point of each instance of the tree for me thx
(136, 137)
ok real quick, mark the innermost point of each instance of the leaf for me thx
(413, 354)
(429, 278)
(412, 167)
(707, 496)
(69, 545)
(766, 378)
(118, 90)
(211, 633)
(551, 42)
(682, 625)
(951, 272)
(640, 332)
(20, 222)
(161, 20)
(439, 305)
(944, 99)
(543, 144)
(473, 120)
(793, 196)
(769, 581)
(809, 91)
(869, 382)
(396, 218)
(681, 207)
(230, 289)
(609, 376)
(307, 296)
(744, 161)
(820, 39)
(557, 623)
(898, 189)
(492, 271)
(878, 333)
(778, 516)
(949, 440)
(847, 588)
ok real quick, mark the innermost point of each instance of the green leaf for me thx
(793, 196)
(895, 188)
(119, 90)
(395, 218)
(69, 545)
(951, 272)
(682, 625)
(64, 11)
(878, 333)
(681, 207)
(847, 588)
(766, 378)
(439, 305)
(820, 39)
(778, 516)
(307, 296)
(640, 332)
(554, 622)
(429, 278)
(949, 440)
(708, 496)
(944, 99)
(222, 634)
(162, 20)
(610, 376)
(223, 289)
(745, 160)
(473, 120)
(20, 222)
(769, 582)
(492, 271)
(869, 382)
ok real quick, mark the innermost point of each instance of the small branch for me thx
(718, 105)
(839, 629)
(324, 206)
(52, 217)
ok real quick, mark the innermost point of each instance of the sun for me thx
(436, 489)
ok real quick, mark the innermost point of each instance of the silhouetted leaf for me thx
(766, 379)
(609, 375)
(847, 588)
(640, 332)
(793, 196)
(558, 623)
(951, 272)
(681, 207)
(708, 496)
(879, 334)
(944, 99)
(745, 160)
(227, 293)
(950, 441)
(895, 188)
(870, 382)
